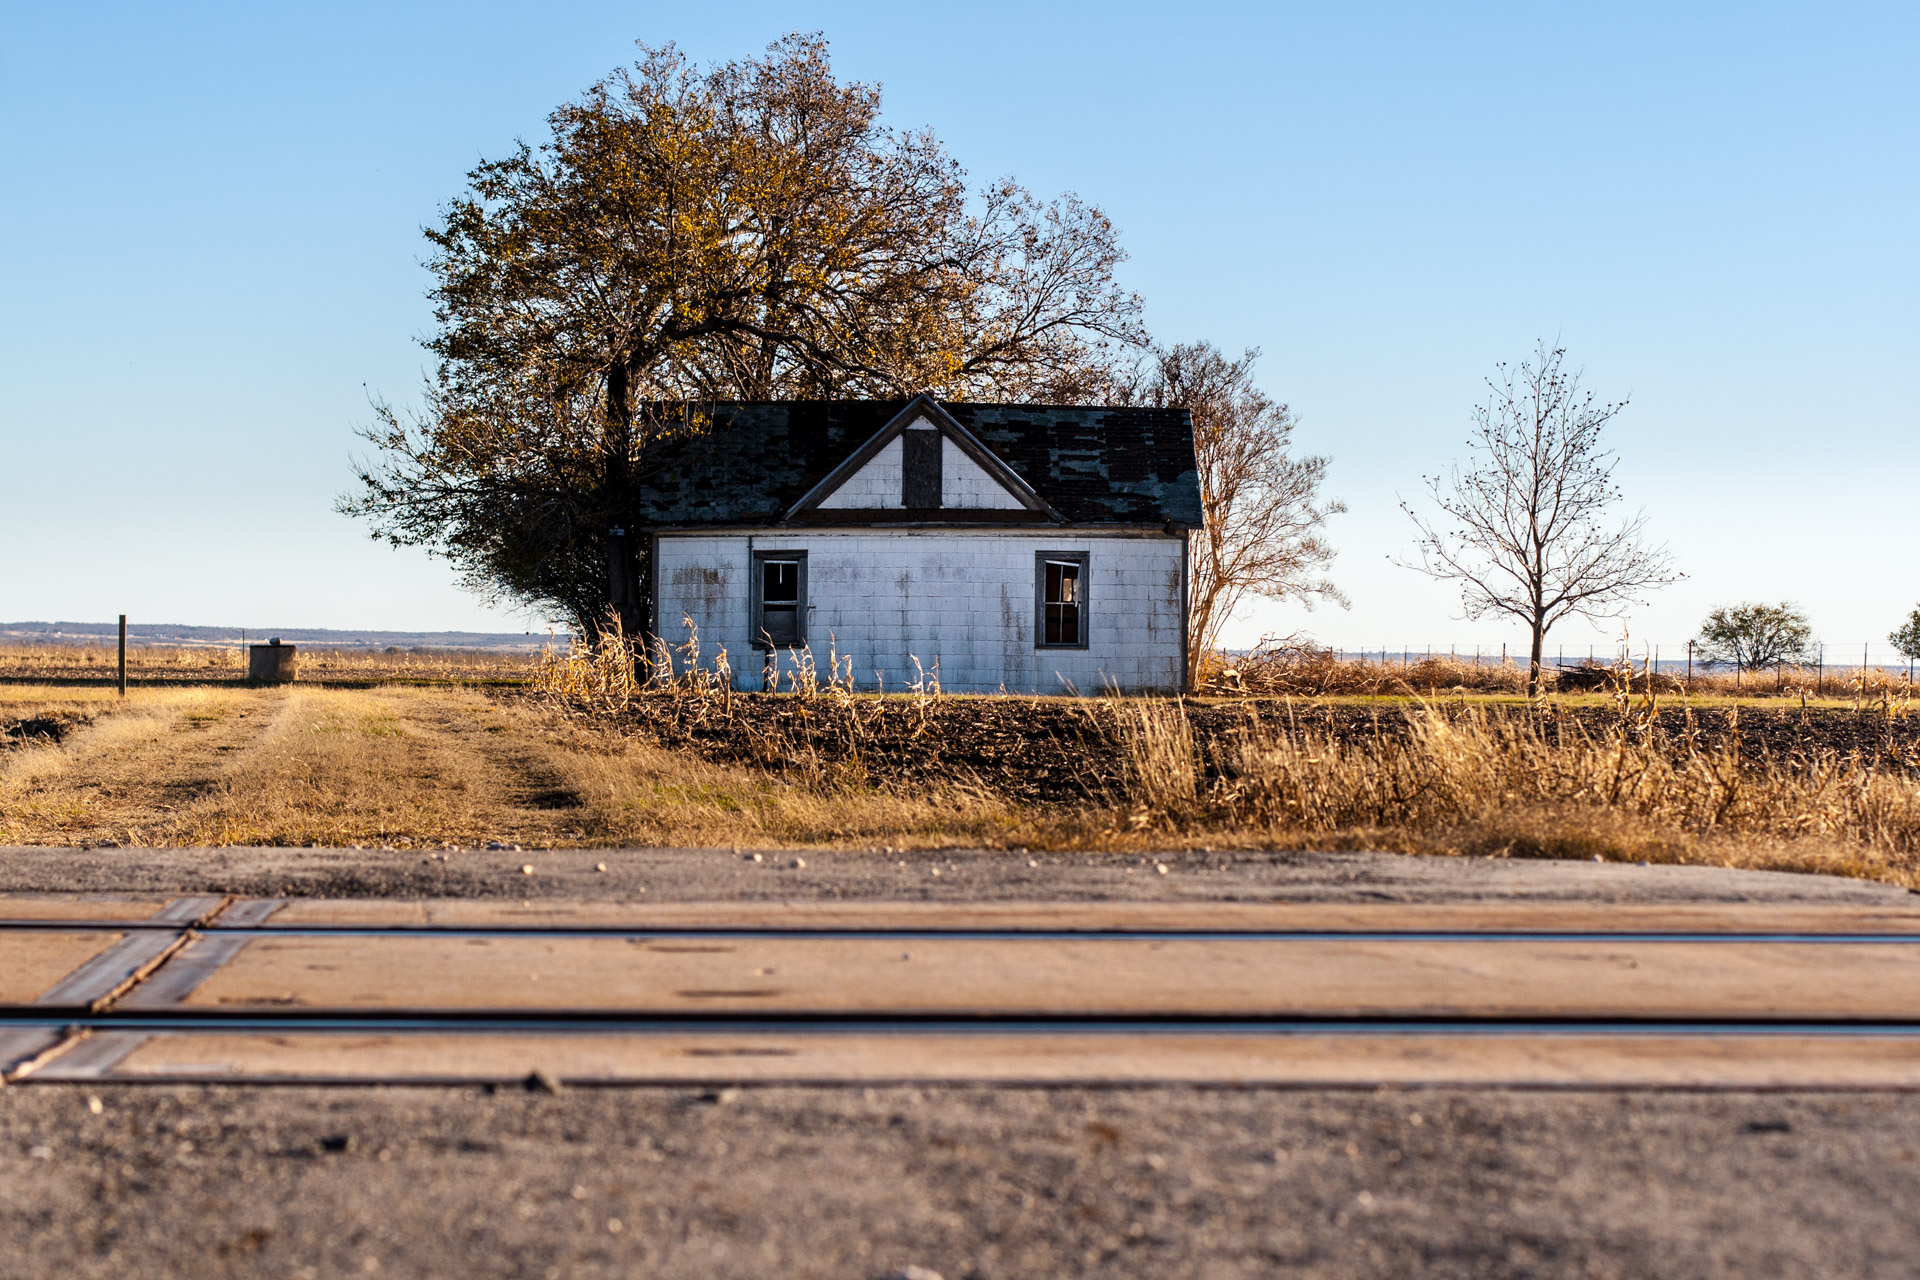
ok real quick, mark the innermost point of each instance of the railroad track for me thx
(1307, 995)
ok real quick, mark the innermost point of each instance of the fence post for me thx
(1689, 662)
(123, 655)
(1820, 672)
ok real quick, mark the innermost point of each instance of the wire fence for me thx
(1827, 659)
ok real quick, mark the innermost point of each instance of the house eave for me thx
(849, 521)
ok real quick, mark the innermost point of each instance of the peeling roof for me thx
(1093, 464)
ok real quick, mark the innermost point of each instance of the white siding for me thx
(965, 483)
(959, 598)
(875, 485)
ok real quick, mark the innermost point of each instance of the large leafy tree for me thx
(1753, 637)
(1906, 637)
(746, 231)
(1262, 511)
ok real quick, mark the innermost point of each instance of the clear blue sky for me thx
(209, 248)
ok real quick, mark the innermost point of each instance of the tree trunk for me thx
(1533, 664)
(623, 583)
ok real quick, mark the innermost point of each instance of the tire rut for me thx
(128, 773)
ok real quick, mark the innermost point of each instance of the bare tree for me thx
(1523, 527)
(1261, 506)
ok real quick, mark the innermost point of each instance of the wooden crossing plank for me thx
(175, 981)
(20, 1045)
(75, 969)
(249, 913)
(94, 907)
(1571, 917)
(1050, 976)
(89, 1056)
(189, 910)
(1307, 1060)
(32, 962)
(113, 968)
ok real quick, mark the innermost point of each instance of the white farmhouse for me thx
(1017, 548)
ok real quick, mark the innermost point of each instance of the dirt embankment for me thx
(1040, 750)
(1029, 750)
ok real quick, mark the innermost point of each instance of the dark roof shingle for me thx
(1095, 465)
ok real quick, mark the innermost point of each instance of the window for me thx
(779, 599)
(1060, 600)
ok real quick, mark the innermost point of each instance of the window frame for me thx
(1084, 560)
(921, 459)
(757, 614)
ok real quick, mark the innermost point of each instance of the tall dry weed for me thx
(1161, 764)
(1442, 771)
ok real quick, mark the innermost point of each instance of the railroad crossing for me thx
(1516, 994)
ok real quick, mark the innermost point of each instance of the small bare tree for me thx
(1261, 506)
(1523, 527)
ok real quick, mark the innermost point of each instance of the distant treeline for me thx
(94, 633)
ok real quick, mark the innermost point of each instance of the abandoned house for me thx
(1031, 549)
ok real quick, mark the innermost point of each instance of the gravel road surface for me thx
(222, 1181)
(711, 875)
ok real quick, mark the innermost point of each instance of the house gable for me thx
(876, 484)
(966, 485)
(922, 461)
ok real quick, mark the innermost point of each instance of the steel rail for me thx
(899, 934)
(543, 1021)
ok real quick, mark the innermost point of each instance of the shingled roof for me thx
(1092, 464)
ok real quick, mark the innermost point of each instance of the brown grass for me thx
(1530, 786)
(411, 767)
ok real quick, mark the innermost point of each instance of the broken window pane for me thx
(1062, 602)
(780, 601)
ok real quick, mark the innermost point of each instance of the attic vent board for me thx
(920, 469)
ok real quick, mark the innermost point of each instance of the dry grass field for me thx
(201, 664)
(401, 766)
(447, 766)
